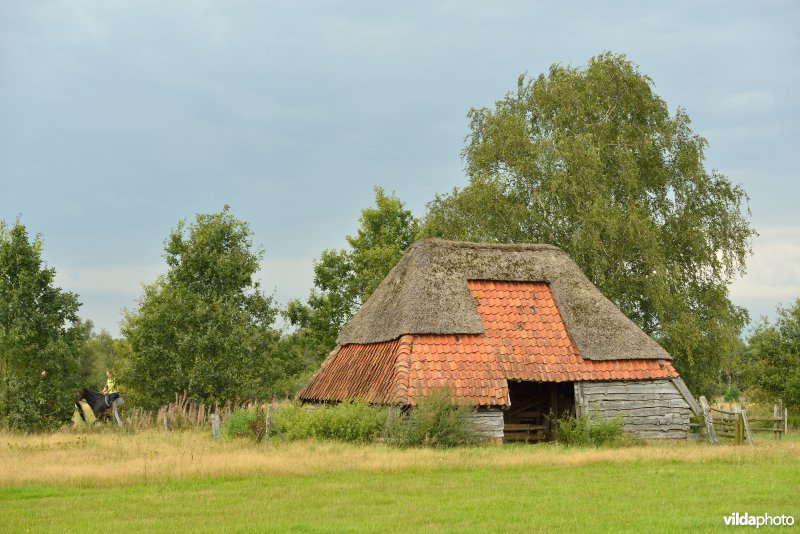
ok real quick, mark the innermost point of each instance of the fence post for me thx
(215, 426)
(775, 417)
(746, 425)
(115, 411)
(712, 435)
(780, 416)
(268, 424)
(166, 423)
(785, 421)
(737, 429)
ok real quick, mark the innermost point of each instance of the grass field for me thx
(185, 482)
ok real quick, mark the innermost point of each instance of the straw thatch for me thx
(426, 293)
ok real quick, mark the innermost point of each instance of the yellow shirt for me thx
(111, 386)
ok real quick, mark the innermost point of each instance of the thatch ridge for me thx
(426, 293)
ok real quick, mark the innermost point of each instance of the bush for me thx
(587, 431)
(772, 357)
(242, 423)
(794, 421)
(436, 421)
(732, 394)
(351, 421)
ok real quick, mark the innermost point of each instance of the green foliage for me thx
(40, 339)
(205, 326)
(436, 421)
(350, 421)
(591, 160)
(101, 352)
(733, 393)
(584, 430)
(241, 422)
(772, 358)
(344, 279)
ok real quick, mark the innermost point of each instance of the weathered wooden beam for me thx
(215, 426)
(687, 395)
(712, 435)
(746, 424)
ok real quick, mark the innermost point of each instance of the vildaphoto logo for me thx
(763, 520)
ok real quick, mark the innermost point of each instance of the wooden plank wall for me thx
(651, 409)
(489, 423)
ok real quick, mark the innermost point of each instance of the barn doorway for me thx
(533, 406)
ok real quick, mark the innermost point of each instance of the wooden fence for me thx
(735, 424)
(779, 421)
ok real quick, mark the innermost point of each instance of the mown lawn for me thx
(508, 489)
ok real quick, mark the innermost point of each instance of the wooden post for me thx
(746, 424)
(737, 428)
(712, 435)
(268, 424)
(166, 422)
(785, 421)
(215, 426)
(775, 418)
(780, 417)
(114, 410)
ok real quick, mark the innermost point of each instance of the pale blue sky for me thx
(117, 119)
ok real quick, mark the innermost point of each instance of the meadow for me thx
(184, 481)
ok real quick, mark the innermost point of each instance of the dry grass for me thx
(104, 459)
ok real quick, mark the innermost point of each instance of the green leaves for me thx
(590, 159)
(205, 326)
(772, 357)
(344, 279)
(40, 340)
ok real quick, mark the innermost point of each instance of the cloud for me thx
(773, 272)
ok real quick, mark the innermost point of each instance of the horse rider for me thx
(110, 391)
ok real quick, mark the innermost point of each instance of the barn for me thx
(516, 330)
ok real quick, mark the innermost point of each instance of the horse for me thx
(97, 402)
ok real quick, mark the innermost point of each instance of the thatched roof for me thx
(426, 293)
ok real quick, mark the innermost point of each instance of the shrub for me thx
(794, 421)
(351, 421)
(732, 394)
(588, 431)
(240, 423)
(436, 421)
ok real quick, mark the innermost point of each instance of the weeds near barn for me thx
(586, 431)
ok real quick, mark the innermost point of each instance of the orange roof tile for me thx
(524, 339)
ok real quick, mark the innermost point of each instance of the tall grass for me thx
(105, 459)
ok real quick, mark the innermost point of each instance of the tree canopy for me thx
(40, 338)
(205, 327)
(345, 278)
(590, 159)
(101, 352)
(772, 356)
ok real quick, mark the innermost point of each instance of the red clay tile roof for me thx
(524, 339)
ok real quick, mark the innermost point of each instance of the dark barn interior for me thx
(533, 406)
